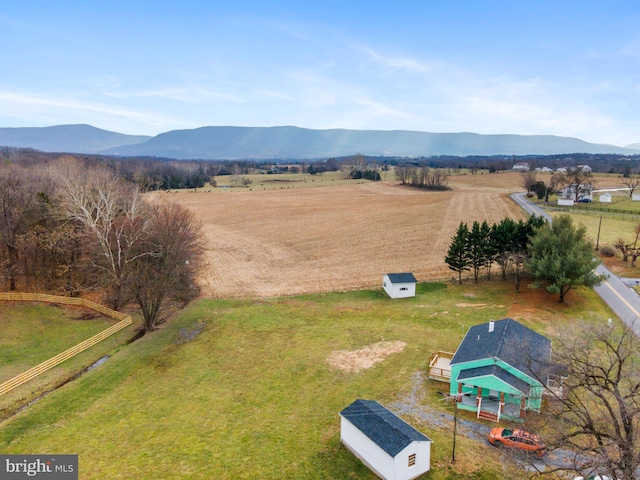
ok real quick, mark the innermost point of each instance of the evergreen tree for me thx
(457, 258)
(476, 249)
(562, 255)
(503, 237)
(489, 247)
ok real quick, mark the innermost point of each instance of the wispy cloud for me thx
(71, 110)
(192, 94)
(394, 63)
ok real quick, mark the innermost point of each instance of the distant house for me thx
(399, 285)
(521, 167)
(497, 368)
(385, 443)
(605, 198)
(585, 192)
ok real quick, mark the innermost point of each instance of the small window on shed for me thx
(404, 288)
(412, 459)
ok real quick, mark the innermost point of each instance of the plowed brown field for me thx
(285, 242)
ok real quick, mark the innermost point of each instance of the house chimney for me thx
(492, 325)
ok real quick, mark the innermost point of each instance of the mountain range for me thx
(287, 142)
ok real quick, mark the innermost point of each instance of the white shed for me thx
(635, 197)
(385, 443)
(605, 198)
(399, 285)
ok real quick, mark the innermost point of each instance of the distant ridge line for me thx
(290, 142)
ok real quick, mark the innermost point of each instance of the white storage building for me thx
(399, 285)
(385, 443)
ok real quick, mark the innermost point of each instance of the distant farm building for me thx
(635, 197)
(605, 198)
(385, 443)
(520, 167)
(399, 285)
(585, 193)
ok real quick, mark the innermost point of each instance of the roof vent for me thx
(492, 325)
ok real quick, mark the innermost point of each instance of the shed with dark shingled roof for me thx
(399, 285)
(370, 431)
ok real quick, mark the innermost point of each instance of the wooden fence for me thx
(125, 321)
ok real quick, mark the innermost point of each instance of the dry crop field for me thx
(285, 242)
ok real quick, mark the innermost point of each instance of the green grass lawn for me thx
(614, 225)
(611, 228)
(233, 389)
(31, 333)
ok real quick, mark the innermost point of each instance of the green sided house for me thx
(497, 370)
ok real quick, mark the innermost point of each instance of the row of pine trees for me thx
(483, 246)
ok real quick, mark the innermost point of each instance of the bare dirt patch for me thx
(356, 360)
(319, 239)
(471, 305)
(531, 303)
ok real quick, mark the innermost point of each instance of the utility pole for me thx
(598, 240)
(454, 399)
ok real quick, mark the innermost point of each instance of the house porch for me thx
(494, 408)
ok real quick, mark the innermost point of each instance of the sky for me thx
(557, 67)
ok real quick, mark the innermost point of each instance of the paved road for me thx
(623, 300)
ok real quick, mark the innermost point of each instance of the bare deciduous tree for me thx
(580, 178)
(24, 195)
(625, 248)
(112, 214)
(599, 417)
(631, 182)
(404, 173)
(529, 178)
(167, 262)
(556, 182)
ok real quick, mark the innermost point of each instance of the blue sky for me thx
(568, 68)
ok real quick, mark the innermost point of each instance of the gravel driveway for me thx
(411, 405)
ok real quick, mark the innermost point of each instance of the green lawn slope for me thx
(233, 389)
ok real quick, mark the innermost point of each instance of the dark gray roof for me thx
(384, 428)
(510, 341)
(402, 278)
(495, 370)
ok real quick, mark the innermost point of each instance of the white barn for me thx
(399, 285)
(605, 198)
(385, 443)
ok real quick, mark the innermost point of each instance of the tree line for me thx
(559, 255)
(483, 246)
(422, 176)
(70, 228)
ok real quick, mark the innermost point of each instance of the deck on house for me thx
(440, 366)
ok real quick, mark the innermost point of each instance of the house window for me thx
(403, 288)
(412, 459)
